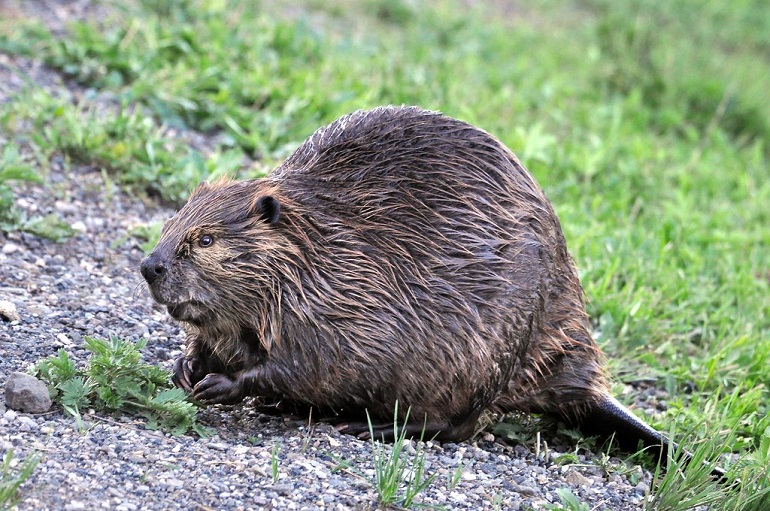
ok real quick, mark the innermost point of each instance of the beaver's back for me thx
(420, 188)
(430, 229)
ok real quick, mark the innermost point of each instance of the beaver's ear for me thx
(268, 209)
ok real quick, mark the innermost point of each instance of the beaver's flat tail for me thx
(608, 416)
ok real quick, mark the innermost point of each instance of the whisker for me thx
(140, 290)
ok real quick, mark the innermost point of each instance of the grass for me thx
(399, 477)
(12, 476)
(646, 123)
(453, 478)
(15, 167)
(115, 137)
(275, 461)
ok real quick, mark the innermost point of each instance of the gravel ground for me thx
(90, 286)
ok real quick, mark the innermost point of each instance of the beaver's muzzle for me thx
(153, 267)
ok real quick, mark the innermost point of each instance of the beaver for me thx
(398, 256)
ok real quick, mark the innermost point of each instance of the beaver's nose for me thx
(153, 267)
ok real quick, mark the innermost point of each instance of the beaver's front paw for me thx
(188, 371)
(218, 388)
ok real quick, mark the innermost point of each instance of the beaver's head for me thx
(209, 254)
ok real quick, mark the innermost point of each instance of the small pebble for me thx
(8, 311)
(575, 478)
(10, 248)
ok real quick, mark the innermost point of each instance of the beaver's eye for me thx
(205, 240)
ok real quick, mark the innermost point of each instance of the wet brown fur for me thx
(405, 256)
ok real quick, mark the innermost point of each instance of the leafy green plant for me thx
(13, 477)
(394, 469)
(116, 380)
(569, 502)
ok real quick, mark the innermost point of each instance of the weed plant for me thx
(116, 380)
